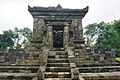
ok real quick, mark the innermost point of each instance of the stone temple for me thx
(55, 27)
(58, 50)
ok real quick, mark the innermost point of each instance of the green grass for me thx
(117, 59)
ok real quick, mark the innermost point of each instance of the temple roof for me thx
(57, 11)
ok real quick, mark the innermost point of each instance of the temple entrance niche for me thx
(58, 36)
(57, 27)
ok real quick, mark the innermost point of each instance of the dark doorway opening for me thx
(58, 36)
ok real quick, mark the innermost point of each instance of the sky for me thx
(14, 13)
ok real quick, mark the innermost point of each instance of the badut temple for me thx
(58, 50)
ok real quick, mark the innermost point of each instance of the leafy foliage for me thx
(104, 35)
(93, 31)
(16, 38)
(5, 41)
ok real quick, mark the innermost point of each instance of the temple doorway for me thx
(58, 36)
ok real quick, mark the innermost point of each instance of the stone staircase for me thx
(58, 67)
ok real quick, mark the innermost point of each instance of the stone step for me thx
(57, 75)
(58, 61)
(58, 49)
(101, 76)
(57, 53)
(57, 64)
(57, 69)
(58, 56)
(99, 69)
(61, 53)
(57, 79)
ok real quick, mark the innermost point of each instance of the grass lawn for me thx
(118, 59)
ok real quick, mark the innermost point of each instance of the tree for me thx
(6, 41)
(16, 38)
(110, 38)
(21, 37)
(27, 35)
(93, 31)
(116, 24)
(106, 35)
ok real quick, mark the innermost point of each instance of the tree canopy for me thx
(104, 35)
(15, 39)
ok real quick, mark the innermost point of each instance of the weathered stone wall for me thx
(93, 57)
(29, 56)
(38, 26)
(77, 28)
(11, 56)
(32, 56)
(2, 56)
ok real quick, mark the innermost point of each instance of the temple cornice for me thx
(56, 11)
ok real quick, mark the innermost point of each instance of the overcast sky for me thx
(14, 13)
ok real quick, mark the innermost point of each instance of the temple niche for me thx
(56, 27)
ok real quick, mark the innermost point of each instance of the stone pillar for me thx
(80, 28)
(75, 30)
(37, 29)
(34, 29)
(78, 33)
(50, 36)
(40, 30)
(66, 35)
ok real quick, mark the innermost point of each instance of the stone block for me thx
(82, 45)
(88, 49)
(96, 62)
(80, 77)
(72, 65)
(96, 58)
(76, 54)
(82, 59)
(75, 74)
(92, 51)
(90, 61)
(73, 59)
(101, 58)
